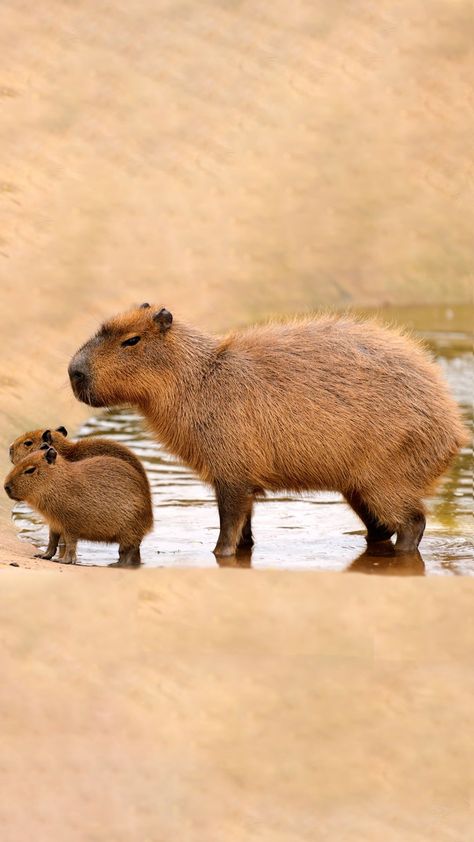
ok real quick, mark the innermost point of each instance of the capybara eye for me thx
(132, 341)
(30, 470)
(28, 443)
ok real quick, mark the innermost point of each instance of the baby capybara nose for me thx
(8, 489)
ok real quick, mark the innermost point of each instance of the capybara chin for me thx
(327, 403)
(96, 499)
(73, 451)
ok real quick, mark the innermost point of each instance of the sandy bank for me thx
(235, 706)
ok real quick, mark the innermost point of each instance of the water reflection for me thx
(383, 560)
(316, 531)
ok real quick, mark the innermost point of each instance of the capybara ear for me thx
(164, 319)
(144, 306)
(62, 430)
(44, 446)
(50, 455)
(47, 437)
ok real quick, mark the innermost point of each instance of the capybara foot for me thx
(129, 556)
(69, 557)
(47, 555)
(376, 530)
(379, 533)
(246, 542)
(224, 550)
(411, 533)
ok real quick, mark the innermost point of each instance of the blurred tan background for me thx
(235, 157)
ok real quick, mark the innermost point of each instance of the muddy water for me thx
(317, 531)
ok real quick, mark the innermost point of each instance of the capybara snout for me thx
(79, 376)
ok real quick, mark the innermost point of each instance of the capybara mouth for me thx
(84, 393)
(11, 495)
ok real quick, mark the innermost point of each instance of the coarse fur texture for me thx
(327, 403)
(73, 451)
(96, 499)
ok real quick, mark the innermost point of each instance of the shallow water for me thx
(315, 531)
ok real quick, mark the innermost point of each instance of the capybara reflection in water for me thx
(73, 451)
(96, 499)
(327, 403)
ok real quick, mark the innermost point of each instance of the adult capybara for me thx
(73, 451)
(96, 499)
(326, 403)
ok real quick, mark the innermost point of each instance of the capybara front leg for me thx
(61, 547)
(129, 556)
(52, 546)
(246, 541)
(69, 556)
(233, 504)
(376, 530)
(410, 533)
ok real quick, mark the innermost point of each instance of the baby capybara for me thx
(73, 451)
(96, 499)
(326, 403)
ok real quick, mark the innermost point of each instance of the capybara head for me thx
(111, 368)
(33, 473)
(29, 442)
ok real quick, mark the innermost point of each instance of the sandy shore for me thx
(235, 706)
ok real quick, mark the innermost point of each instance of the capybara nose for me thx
(8, 489)
(77, 375)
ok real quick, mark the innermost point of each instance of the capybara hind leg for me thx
(246, 541)
(410, 533)
(129, 555)
(233, 505)
(69, 556)
(52, 546)
(376, 530)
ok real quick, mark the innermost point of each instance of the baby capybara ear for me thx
(50, 455)
(47, 437)
(144, 306)
(164, 319)
(62, 430)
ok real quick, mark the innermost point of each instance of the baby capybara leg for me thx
(70, 556)
(410, 533)
(129, 555)
(52, 546)
(233, 505)
(376, 529)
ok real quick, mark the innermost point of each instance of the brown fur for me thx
(73, 451)
(96, 499)
(330, 403)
